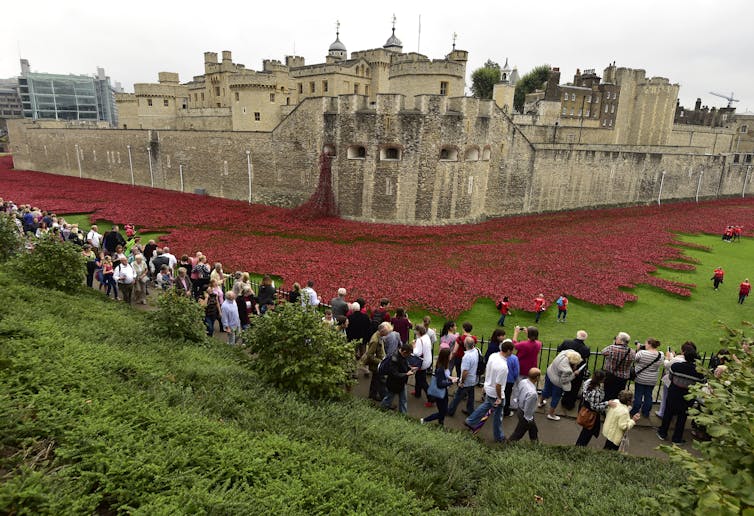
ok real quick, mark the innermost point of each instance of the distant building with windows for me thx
(10, 102)
(68, 98)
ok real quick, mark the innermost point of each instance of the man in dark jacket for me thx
(568, 401)
(358, 327)
(397, 378)
(112, 240)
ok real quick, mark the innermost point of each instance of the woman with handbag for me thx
(438, 388)
(592, 405)
(646, 365)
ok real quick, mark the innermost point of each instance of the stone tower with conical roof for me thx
(337, 50)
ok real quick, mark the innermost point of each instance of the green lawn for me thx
(82, 219)
(669, 318)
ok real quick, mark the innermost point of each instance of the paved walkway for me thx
(643, 440)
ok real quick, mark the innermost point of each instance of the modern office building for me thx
(73, 98)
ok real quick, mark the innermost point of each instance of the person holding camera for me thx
(527, 350)
(647, 364)
(397, 377)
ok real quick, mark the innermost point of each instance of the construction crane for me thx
(730, 98)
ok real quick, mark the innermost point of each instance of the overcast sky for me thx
(703, 45)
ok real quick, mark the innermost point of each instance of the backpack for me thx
(481, 366)
(384, 366)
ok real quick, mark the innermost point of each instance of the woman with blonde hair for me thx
(558, 380)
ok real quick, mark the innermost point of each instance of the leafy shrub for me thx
(10, 240)
(296, 352)
(721, 479)
(178, 317)
(53, 264)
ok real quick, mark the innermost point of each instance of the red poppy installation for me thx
(592, 254)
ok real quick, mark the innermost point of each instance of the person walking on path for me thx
(495, 377)
(743, 291)
(717, 277)
(618, 360)
(229, 317)
(443, 380)
(397, 377)
(526, 399)
(593, 399)
(468, 379)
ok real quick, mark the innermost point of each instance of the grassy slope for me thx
(103, 417)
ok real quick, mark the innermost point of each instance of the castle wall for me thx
(712, 140)
(427, 160)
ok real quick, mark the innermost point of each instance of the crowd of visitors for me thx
(392, 349)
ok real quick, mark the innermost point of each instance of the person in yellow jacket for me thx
(618, 420)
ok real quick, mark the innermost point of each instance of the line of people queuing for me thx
(507, 372)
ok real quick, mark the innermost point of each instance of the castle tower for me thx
(393, 44)
(337, 50)
(505, 73)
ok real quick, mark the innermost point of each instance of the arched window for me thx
(472, 154)
(390, 154)
(357, 152)
(448, 154)
(486, 153)
(329, 149)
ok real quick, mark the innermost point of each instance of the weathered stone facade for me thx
(427, 160)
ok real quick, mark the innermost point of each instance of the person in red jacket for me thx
(504, 306)
(562, 303)
(717, 277)
(539, 306)
(743, 290)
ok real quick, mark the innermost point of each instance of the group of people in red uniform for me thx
(732, 233)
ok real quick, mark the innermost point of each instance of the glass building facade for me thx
(47, 96)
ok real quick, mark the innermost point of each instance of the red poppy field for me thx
(590, 255)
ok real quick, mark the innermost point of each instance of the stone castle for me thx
(407, 145)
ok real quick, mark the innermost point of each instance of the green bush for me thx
(10, 240)
(296, 352)
(720, 480)
(178, 317)
(53, 264)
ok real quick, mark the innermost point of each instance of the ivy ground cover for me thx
(591, 255)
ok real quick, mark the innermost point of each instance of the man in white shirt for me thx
(308, 295)
(172, 260)
(495, 378)
(422, 350)
(468, 379)
(125, 276)
(526, 400)
(94, 238)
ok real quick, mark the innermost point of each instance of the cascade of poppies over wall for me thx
(592, 255)
(322, 202)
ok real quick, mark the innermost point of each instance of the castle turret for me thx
(505, 72)
(393, 44)
(337, 50)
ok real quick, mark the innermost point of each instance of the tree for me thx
(10, 239)
(293, 350)
(483, 79)
(530, 82)
(720, 480)
(52, 264)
